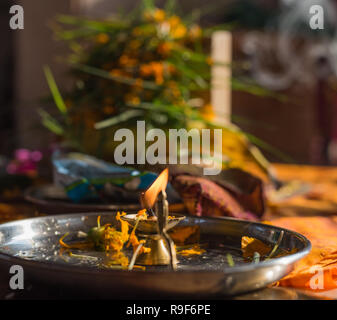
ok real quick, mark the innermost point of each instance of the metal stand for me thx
(162, 247)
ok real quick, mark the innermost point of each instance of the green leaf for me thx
(276, 246)
(75, 34)
(50, 123)
(170, 6)
(230, 260)
(55, 91)
(118, 119)
(102, 26)
(254, 89)
(184, 52)
(191, 74)
(148, 4)
(106, 75)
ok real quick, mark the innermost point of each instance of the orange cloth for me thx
(316, 272)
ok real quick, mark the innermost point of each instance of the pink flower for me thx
(36, 156)
(25, 162)
(22, 155)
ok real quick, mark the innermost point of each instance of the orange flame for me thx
(149, 197)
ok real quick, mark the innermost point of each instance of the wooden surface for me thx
(321, 200)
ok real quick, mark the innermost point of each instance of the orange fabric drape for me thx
(321, 261)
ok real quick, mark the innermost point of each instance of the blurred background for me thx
(272, 42)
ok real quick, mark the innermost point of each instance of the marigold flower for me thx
(178, 32)
(145, 70)
(207, 112)
(142, 213)
(114, 240)
(154, 68)
(174, 21)
(158, 70)
(117, 258)
(124, 225)
(133, 240)
(164, 48)
(173, 89)
(195, 250)
(159, 15)
(102, 38)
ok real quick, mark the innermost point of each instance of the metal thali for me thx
(34, 244)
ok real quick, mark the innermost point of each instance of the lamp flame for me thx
(149, 197)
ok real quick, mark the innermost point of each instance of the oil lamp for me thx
(154, 228)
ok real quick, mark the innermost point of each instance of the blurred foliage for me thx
(150, 64)
(252, 14)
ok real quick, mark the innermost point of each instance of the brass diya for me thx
(154, 228)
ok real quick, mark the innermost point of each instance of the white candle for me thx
(221, 76)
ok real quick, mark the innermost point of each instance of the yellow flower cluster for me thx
(177, 28)
(144, 56)
(153, 68)
(114, 240)
(137, 64)
(171, 26)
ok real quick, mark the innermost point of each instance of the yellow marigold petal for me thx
(62, 243)
(196, 250)
(251, 245)
(159, 15)
(142, 213)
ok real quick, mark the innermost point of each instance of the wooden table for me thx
(320, 201)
